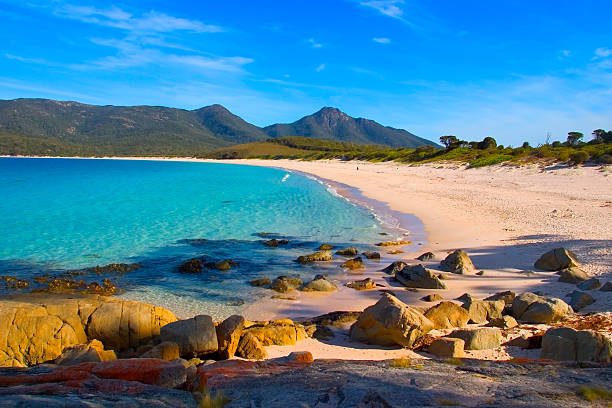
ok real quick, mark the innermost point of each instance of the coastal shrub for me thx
(594, 393)
(490, 160)
(210, 400)
(605, 159)
(405, 363)
(579, 157)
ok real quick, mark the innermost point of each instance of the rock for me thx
(504, 322)
(321, 332)
(557, 259)
(118, 268)
(273, 243)
(481, 338)
(458, 262)
(333, 319)
(319, 256)
(427, 256)
(465, 297)
(364, 284)
(223, 265)
(434, 297)
(567, 344)
(284, 284)
(447, 348)
(393, 243)
(278, 332)
(326, 247)
(350, 251)
(195, 336)
(572, 275)
(395, 251)
(168, 374)
(228, 336)
(447, 315)
(589, 284)
(580, 300)
(166, 350)
(354, 263)
(507, 296)
(260, 282)
(417, 276)
(532, 308)
(390, 322)
(319, 284)
(480, 311)
(251, 348)
(394, 267)
(371, 254)
(607, 287)
(526, 342)
(480, 273)
(91, 352)
(193, 265)
(37, 327)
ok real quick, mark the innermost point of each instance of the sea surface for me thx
(65, 214)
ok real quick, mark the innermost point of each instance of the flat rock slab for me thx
(333, 383)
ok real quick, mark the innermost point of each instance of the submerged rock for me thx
(273, 243)
(417, 276)
(260, 282)
(325, 247)
(458, 262)
(557, 259)
(355, 263)
(194, 265)
(319, 256)
(350, 251)
(284, 284)
(364, 284)
(393, 243)
(394, 267)
(390, 322)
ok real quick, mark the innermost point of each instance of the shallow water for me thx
(59, 214)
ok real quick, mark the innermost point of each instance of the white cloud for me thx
(603, 52)
(566, 53)
(314, 44)
(389, 8)
(381, 40)
(116, 17)
(320, 68)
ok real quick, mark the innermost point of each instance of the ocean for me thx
(65, 214)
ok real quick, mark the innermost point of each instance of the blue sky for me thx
(510, 69)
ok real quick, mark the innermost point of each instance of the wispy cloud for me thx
(381, 40)
(27, 60)
(602, 52)
(116, 17)
(390, 8)
(566, 53)
(320, 68)
(314, 44)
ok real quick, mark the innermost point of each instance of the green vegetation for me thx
(476, 154)
(594, 393)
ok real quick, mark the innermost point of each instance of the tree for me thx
(487, 143)
(573, 138)
(449, 141)
(598, 134)
(526, 145)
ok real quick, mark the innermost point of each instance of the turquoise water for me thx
(59, 214)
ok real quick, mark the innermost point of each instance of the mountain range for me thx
(50, 127)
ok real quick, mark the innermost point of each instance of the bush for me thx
(490, 160)
(579, 157)
(605, 159)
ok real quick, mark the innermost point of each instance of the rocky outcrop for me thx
(166, 350)
(37, 328)
(195, 336)
(566, 344)
(326, 247)
(274, 243)
(532, 308)
(371, 254)
(354, 263)
(390, 322)
(572, 275)
(434, 297)
(447, 347)
(589, 284)
(427, 256)
(283, 332)
(580, 300)
(447, 315)
(394, 267)
(607, 287)
(350, 251)
(260, 282)
(507, 296)
(481, 338)
(284, 284)
(504, 322)
(319, 256)
(251, 348)
(194, 265)
(417, 276)
(228, 336)
(557, 259)
(480, 311)
(91, 352)
(393, 243)
(364, 284)
(319, 284)
(458, 262)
